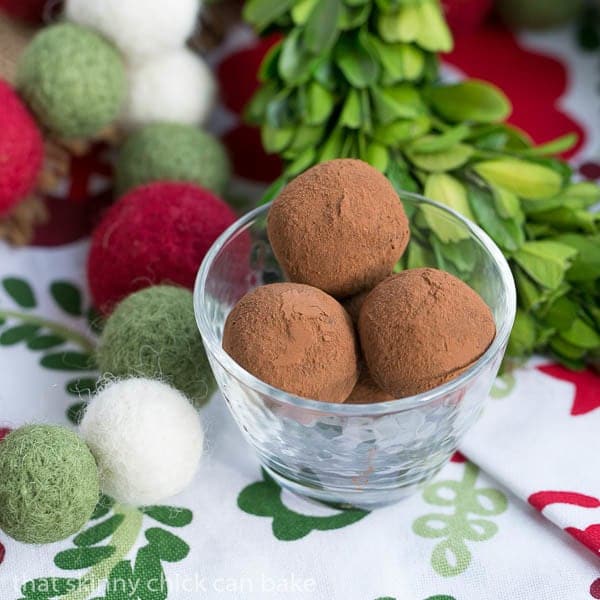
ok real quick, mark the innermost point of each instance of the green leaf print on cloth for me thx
(452, 556)
(103, 548)
(63, 348)
(263, 499)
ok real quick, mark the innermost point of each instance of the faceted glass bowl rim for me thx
(213, 345)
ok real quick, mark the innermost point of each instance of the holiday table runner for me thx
(484, 528)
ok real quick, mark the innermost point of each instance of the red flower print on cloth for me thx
(587, 387)
(536, 109)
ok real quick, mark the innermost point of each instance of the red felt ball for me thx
(156, 233)
(21, 149)
(27, 10)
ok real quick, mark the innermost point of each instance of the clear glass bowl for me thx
(354, 455)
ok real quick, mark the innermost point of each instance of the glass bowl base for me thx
(362, 498)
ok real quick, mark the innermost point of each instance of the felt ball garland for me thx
(139, 28)
(153, 333)
(146, 438)
(49, 484)
(172, 152)
(157, 233)
(177, 87)
(73, 80)
(21, 149)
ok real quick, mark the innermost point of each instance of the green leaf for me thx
(556, 146)
(148, 572)
(529, 293)
(520, 177)
(378, 156)
(20, 291)
(167, 546)
(356, 63)
(99, 532)
(320, 103)
(351, 116)
(276, 140)
(544, 261)
(445, 160)
(105, 503)
(303, 161)
(295, 61)
(561, 314)
(82, 558)
(444, 141)
(261, 13)
(75, 412)
(449, 191)
(433, 33)
(400, 178)
(586, 265)
(95, 320)
(402, 131)
(471, 100)
(20, 333)
(44, 342)
(83, 385)
(353, 17)
(565, 350)
(302, 10)
(321, 30)
(169, 515)
(400, 25)
(121, 584)
(508, 204)
(68, 361)
(581, 335)
(67, 296)
(523, 336)
(396, 102)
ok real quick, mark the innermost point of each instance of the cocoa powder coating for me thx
(339, 226)
(366, 391)
(420, 328)
(294, 337)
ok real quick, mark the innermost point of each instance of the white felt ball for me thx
(146, 438)
(177, 87)
(140, 28)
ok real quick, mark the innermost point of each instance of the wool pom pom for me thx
(153, 333)
(157, 233)
(147, 440)
(21, 149)
(140, 28)
(49, 484)
(177, 87)
(172, 152)
(73, 80)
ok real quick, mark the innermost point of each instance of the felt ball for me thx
(153, 333)
(49, 484)
(140, 28)
(73, 80)
(157, 233)
(21, 149)
(172, 152)
(146, 438)
(177, 87)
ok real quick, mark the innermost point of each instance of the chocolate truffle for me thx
(339, 226)
(353, 304)
(421, 328)
(366, 391)
(294, 337)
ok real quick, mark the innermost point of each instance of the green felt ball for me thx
(73, 80)
(49, 484)
(172, 152)
(153, 333)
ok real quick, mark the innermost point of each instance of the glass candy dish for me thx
(365, 455)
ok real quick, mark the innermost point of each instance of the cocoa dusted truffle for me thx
(366, 391)
(339, 226)
(421, 328)
(354, 304)
(294, 337)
